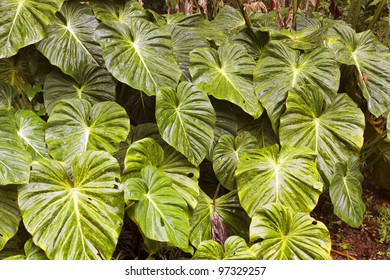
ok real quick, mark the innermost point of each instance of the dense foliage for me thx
(212, 137)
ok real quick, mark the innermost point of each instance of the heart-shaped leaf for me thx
(334, 130)
(186, 120)
(281, 68)
(31, 130)
(75, 126)
(135, 44)
(372, 62)
(78, 215)
(289, 177)
(14, 159)
(287, 235)
(234, 219)
(31, 252)
(9, 214)
(70, 43)
(123, 11)
(159, 210)
(226, 74)
(235, 248)
(226, 155)
(345, 191)
(24, 23)
(92, 83)
(183, 174)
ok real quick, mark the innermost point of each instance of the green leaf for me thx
(16, 70)
(8, 95)
(226, 155)
(229, 21)
(183, 174)
(281, 68)
(31, 130)
(287, 235)
(227, 207)
(289, 177)
(75, 126)
(235, 248)
(14, 159)
(159, 210)
(9, 214)
(253, 39)
(226, 74)
(380, 174)
(186, 120)
(92, 83)
(346, 192)
(24, 23)
(135, 44)
(70, 43)
(334, 130)
(372, 62)
(78, 215)
(388, 126)
(123, 11)
(31, 252)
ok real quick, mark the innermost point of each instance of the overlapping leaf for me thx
(235, 248)
(346, 192)
(281, 68)
(139, 53)
(287, 235)
(92, 83)
(77, 216)
(227, 207)
(8, 95)
(14, 159)
(289, 177)
(186, 120)
(31, 252)
(75, 126)
(24, 23)
(226, 156)
(123, 11)
(70, 43)
(226, 74)
(9, 214)
(372, 62)
(183, 174)
(334, 130)
(159, 210)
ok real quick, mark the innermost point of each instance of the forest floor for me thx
(369, 242)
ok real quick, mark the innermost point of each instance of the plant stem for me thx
(377, 14)
(244, 14)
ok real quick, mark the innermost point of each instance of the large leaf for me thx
(31, 130)
(235, 248)
(76, 126)
(159, 210)
(70, 43)
(226, 155)
(334, 130)
(226, 74)
(14, 159)
(24, 23)
(233, 218)
(31, 252)
(139, 53)
(186, 120)
(229, 21)
(281, 68)
(346, 192)
(372, 62)
(124, 11)
(92, 83)
(287, 235)
(9, 214)
(288, 177)
(183, 174)
(78, 215)
(253, 39)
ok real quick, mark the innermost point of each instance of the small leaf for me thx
(10, 216)
(31, 252)
(235, 248)
(186, 120)
(346, 192)
(75, 126)
(226, 74)
(287, 235)
(8, 95)
(160, 212)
